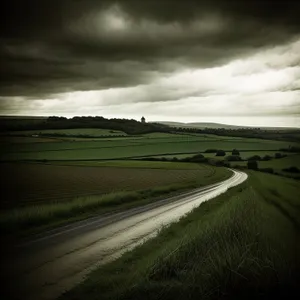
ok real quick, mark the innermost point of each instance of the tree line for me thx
(54, 122)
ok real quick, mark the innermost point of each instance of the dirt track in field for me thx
(23, 184)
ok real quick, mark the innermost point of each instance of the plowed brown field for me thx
(26, 184)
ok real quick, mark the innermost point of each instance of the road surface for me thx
(52, 263)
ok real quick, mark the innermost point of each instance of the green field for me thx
(43, 170)
(134, 164)
(243, 154)
(248, 237)
(242, 245)
(291, 160)
(146, 145)
(93, 132)
(10, 140)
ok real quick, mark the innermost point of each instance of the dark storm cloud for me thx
(49, 47)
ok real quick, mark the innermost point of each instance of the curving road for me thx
(53, 263)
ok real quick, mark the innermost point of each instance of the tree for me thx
(235, 152)
(254, 157)
(220, 153)
(292, 170)
(198, 158)
(266, 158)
(233, 158)
(252, 165)
(211, 151)
(267, 170)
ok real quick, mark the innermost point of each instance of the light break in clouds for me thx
(204, 61)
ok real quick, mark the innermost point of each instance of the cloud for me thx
(60, 46)
(192, 58)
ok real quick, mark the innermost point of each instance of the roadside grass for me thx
(242, 245)
(36, 218)
(26, 184)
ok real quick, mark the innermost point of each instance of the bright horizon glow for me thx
(246, 92)
(118, 60)
(277, 121)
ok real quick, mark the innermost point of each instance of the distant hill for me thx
(219, 126)
(23, 117)
(201, 125)
(24, 123)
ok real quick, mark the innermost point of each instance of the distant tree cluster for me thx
(280, 135)
(293, 149)
(235, 152)
(125, 125)
(233, 158)
(252, 165)
(292, 170)
(220, 153)
(197, 158)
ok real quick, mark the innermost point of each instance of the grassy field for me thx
(277, 164)
(64, 170)
(29, 184)
(115, 148)
(94, 132)
(291, 160)
(8, 140)
(140, 164)
(242, 245)
(243, 154)
(38, 196)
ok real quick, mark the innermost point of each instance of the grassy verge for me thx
(242, 245)
(32, 219)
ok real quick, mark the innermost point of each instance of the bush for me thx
(235, 152)
(211, 151)
(267, 170)
(220, 163)
(186, 159)
(266, 158)
(278, 155)
(292, 170)
(43, 160)
(198, 158)
(233, 158)
(220, 153)
(149, 158)
(252, 165)
(291, 149)
(254, 157)
(239, 167)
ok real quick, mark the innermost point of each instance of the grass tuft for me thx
(237, 246)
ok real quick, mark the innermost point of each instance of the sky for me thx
(236, 62)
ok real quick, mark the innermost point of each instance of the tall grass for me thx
(39, 215)
(238, 246)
